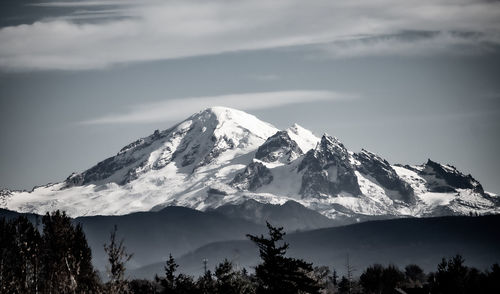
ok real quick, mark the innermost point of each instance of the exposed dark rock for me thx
(220, 145)
(216, 191)
(132, 145)
(75, 179)
(253, 177)
(446, 178)
(5, 192)
(328, 170)
(379, 169)
(190, 157)
(278, 147)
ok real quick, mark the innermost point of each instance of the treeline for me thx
(54, 257)
(55, 260)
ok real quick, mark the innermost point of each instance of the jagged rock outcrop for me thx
(379, 169)
(446, 178)
(253, 177)
(279, 147)
(328, 170)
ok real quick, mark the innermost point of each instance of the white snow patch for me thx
(303, 137)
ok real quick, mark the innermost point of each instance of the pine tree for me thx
(451, 276)
(344, 285)
(28, 241)
(206, 283)
(277, 273)
(66, 259)
(87, 278)
(372, 279)
(335, 278)
(231, 281)
(168, 282)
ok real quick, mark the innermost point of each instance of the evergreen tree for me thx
(392, 278)
(206, 283)
(87, 278)
(344, 286)
(231, 281)
(225, 278)
(168, 282)
(20, 249)
(141, 286)
(379, 279)
(57, 262)
(277, 273)
(372, 279)
(184, 284)
(322, 277)
(335, 278)
(172, 283)
(66, 259)
(492, 282)
(450, 276)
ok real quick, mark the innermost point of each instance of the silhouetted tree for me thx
(380, 280)
(450, 276)
(344, 285)
(415, 276)
(168, 282)
(184, 284)
(173, 283)
(66, 259)
(322, 276)
(335, 278)
(372, 279)
(231, 281)
(492, 283)
(277, 273)
(117, 258)
(206, 283)
(87, 278)
(19, 261)
(141, 286)
(392, 278)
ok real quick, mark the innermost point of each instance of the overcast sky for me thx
(409, 80)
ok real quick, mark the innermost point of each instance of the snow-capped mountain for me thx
(223, 156)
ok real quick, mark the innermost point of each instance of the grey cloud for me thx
(176, 29)
(412, 44)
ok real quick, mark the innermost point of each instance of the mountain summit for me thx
(222, 156)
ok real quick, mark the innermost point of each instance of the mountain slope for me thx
(152, 236)
(223, 156)
(400, 242)
(291, 215)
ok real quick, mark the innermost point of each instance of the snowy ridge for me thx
(303, 137)
(224, 156)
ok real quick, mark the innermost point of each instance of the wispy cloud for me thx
(175, 109)
(155, 30)
(411, 44)
(80, 3)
